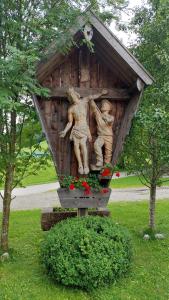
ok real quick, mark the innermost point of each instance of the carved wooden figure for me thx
(105, 134)
(80, 132)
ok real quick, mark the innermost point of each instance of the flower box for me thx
(78, 199)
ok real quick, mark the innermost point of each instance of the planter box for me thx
(77, 198)
(49, 217)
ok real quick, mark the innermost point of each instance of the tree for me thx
(16, 110)
(147, 151)
(151, 24)
(27, 27)
(147, 148)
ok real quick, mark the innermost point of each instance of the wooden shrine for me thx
(111, 73)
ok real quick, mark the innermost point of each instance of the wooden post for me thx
(82, 212)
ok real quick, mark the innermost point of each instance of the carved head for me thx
(73, 96)
(106, 106)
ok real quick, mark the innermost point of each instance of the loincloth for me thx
(79, 132)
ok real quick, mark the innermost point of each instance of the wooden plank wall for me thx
(80, 69)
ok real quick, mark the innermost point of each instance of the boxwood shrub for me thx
(86, 252)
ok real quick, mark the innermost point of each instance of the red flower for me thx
(117, 174)
(85, 185)
(106, 172)
(71, 187)
(105, 190)
(87, 191)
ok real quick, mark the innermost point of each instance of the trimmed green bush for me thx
(86, 252)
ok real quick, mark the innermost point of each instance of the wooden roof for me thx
(108, 48)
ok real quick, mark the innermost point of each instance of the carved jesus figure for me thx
(104, 122)
(80, 133)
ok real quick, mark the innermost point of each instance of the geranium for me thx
(106, 172)
(87, 191)
(71, 187)
(104, 190)
(117, 174)
(85, 184)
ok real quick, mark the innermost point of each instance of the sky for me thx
(127, 38)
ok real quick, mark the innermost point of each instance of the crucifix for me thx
(80, 133)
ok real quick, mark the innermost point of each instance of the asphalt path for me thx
(45, 195)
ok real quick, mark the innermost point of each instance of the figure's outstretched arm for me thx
(68, 126)
(95, 110)
(93, 105)
(96, 96)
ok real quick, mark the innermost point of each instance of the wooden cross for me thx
(113, 93)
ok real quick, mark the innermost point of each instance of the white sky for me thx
(127, 38)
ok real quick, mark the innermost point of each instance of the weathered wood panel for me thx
(125, 126)
(75, 68)
(73, 199)
(84, 68)
(56, 78)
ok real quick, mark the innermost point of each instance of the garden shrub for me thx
(86, 252)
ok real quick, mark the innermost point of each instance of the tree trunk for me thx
(6, 208)
(10, 167)
(152, 206)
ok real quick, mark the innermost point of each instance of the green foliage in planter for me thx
(91, 180)
(87, 252)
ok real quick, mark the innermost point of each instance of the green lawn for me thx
(129, 182)
(23, 278)
(126, 182)
(49, 175)
(46, 175)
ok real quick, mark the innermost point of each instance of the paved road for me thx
(45, 195)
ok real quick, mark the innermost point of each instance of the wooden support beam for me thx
(115, 94)
(82, 212)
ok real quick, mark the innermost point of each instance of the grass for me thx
(126, 182)
(46, 175)
(23, 277)
(49, 175)
(130, 182)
